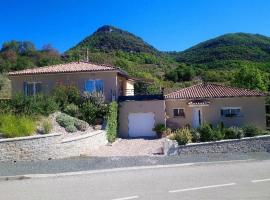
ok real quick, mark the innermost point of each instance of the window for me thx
(178, 112)
(32, 88)
(94, 86)
(230, 112)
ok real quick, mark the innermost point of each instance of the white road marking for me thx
(127, 198)
(203, 187)
(260, 180)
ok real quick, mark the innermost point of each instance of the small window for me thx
(94, 86)
(230, 112)
(32, 88)
(178, 112)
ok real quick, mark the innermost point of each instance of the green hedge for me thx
(112, 124)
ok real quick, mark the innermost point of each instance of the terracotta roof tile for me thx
(67, 68)
(207, 90)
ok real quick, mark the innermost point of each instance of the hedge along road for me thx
(223, 180)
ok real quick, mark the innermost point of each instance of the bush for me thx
(71, 124)
(40, 104)
(72, 109)
(89, 112)
(66, 95)
(65, 120)
(234, 133)
(159, 129)
(112, 118)
(47, 126)
(16, 126)
(208, 133)
(167, 132)
(81, 125)
(70, 128)
(183, 136)
(196, 136)
(251, 131)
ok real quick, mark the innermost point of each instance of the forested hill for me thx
(229, 51)
(108, 38)
(215, 60)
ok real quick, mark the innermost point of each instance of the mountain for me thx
(229, 51)
(113, 46)
(109, 38)
(213, 60)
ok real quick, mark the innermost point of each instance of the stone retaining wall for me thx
(51, 146)
(244, 145)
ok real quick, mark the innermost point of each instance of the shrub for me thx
(5, 106)
(81, 125)
(208, 133)
(47, 126)
(70, 128)
(112, 124)
(66, 95)
(234, 133)
(89, 112)
(65, 120)
(159, 129)
(72, 109)
(71, 124)
(167, 132)
(218, 134)
(33, 105)
(196, 136)
(183, 136)
(60, 95)
(251, 131)
(16, 126)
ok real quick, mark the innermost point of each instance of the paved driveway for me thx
(131, 147)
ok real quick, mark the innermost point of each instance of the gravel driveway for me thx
(131, 147)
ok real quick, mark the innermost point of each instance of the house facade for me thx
(138, 115)
(212, 103)
(88, 77)
(193, 106)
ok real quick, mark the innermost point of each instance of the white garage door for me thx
(141, 124)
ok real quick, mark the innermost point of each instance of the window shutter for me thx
(25, 88)
(38, 88)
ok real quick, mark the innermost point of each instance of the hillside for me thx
(111, 45)
(229, 51)
(214, 60)
(108, 38)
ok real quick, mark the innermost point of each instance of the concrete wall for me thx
(51, 146)
(127, 107)
(252, 112)
(49, 81)
(244, 145)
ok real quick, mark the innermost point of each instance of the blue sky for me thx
(166, 24)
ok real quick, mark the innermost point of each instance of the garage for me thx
(138, 118)
(141, 124)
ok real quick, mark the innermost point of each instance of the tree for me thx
(249, 77)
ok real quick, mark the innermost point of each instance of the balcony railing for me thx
(130, 94)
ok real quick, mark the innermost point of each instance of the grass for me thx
(16, 126)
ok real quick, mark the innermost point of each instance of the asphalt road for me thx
(211, 181)
(96, 163)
